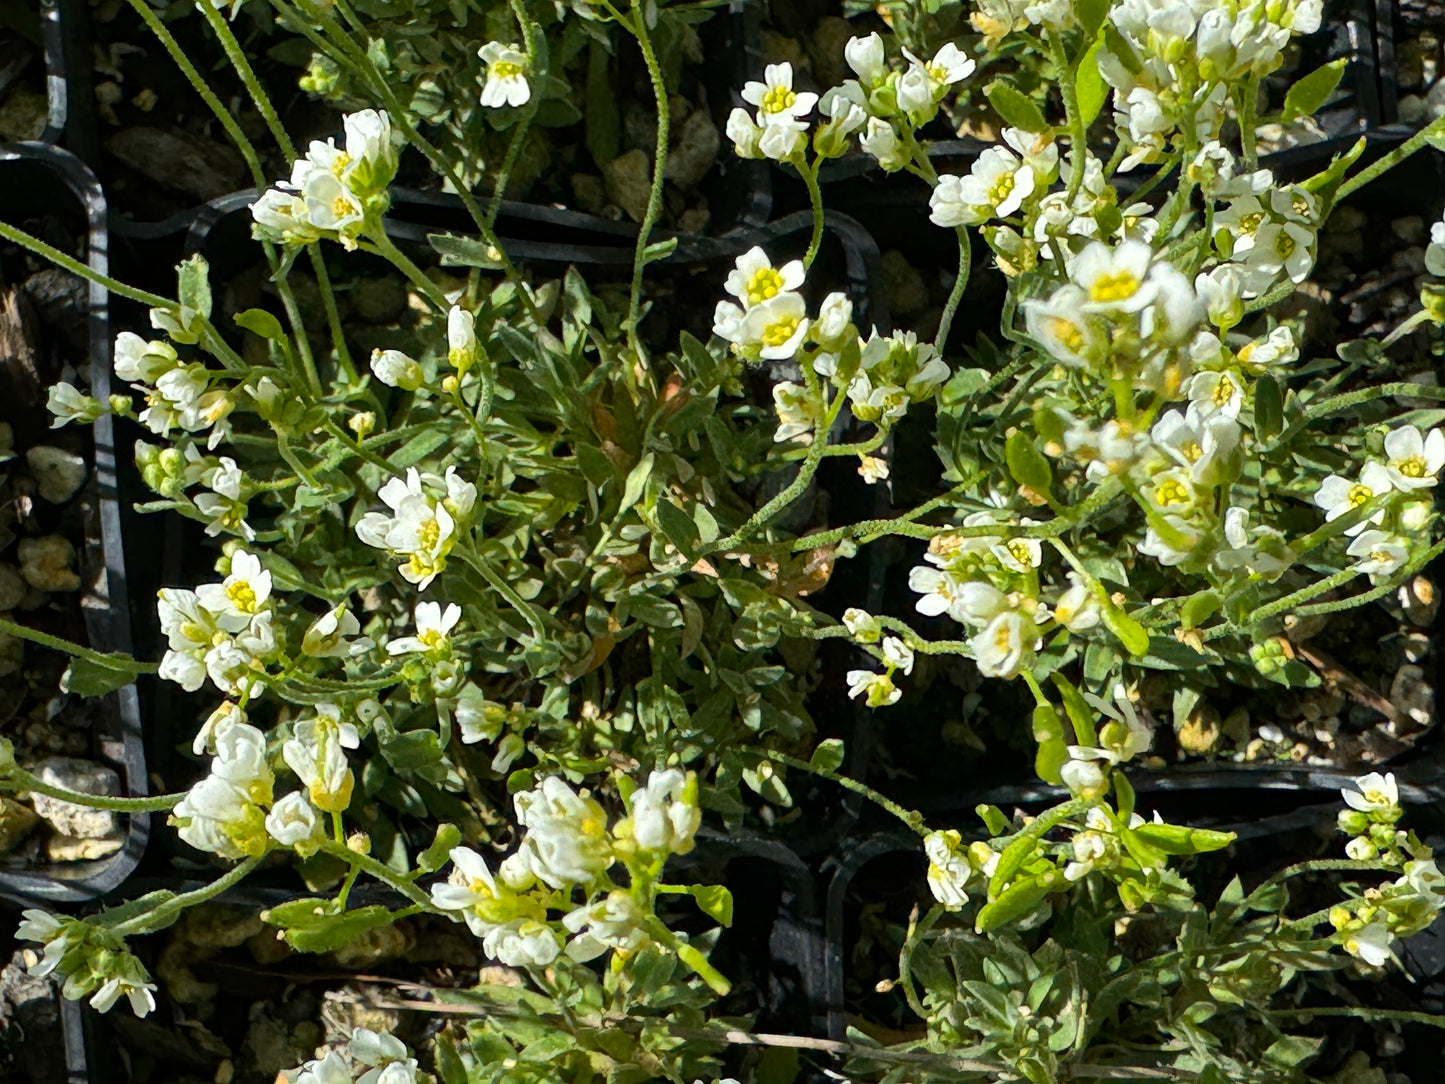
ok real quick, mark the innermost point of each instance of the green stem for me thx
(912, 818)
(111, 661)
(382, 245)
(1078, 136)
(382, 873)
(815, 200)
(21, 780)
(503, 588)
(1360, 1012)
(955, 296)
(1248, 143)
(76, 267)
(1328, 865)
(160, 918)
(333, 312)
(360, 449)
(1419, 141)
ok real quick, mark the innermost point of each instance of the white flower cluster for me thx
(777, 130)
(176, 392)
(1367, 926)
(952, 866)
(892, 372)
(1384, 540)
(1176, 63)
(225, 812)
(92, 961)
(422, 528)
(333, 193)
(567, 846)
(1265, 231)
(396, 369)
(221, 630)
(381, 1056)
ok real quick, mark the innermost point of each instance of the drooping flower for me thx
(507, 68)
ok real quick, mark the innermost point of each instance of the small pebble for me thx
(58, 473)
(45, 563)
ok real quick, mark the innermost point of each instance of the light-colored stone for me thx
(58, 473)
(694, 150)
(629, 182)
(46, 563)
(74, 849)
(85, 776)
(16, 820)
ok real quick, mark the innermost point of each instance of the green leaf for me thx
(993, 818)
(1311, 92)
(1049, 761)
(1081, 715)
(1268, 408)
(1292, 1050)
(1130, 633)
(315, 925)
(1016, 109)
(464, 251)
(90, 678)
(438, 854)
(659, 250)
(1027, 464)
(636, 484)
(828, 757)
(1177, 839)
(262, 323)
(603, 125)
(715, 901)
(1199, 608)
(1327, 179)
(1089, 85)
(418, 448)
(678, 526)
(1015, 902)
(1090, 14)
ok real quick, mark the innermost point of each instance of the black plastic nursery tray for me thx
(41, 180)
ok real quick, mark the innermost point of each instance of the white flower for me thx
(478, 718)
(881, 141)
(1373, 793)
(461, 339)
(132, 984)
(613, 922)
(1004, 644)
(1078, 609)
(567, 841)
(798, 412)
(1059, 326)
(861, 625)
(1114, 280)
(1278, 348)
(1083, 775)
(897, 653)
(782, 139)
(332, 1069)
(217, 723)
(996, 186)
(1215, 391)
(949, 869)
(1338, 495)
(777, 326)
(139, 362)
(1414, 460)
(754, 279)
(866, 57)
(67, 404)
(317, 755)
(1261, 552)
(834, 325)
(390, 1061)
(744, 132)
(240, 596)
(1426, 879)
(1435, 253)
(293, 822)
(433, 629)
(879, 690)
(507, 68)
(1383, 554)
(1221, 290)
(222, 812)
(470, 885)
(330, 636)
(665, 815)
(396, 370)
(1372, 944)
(775, 98)
(1204, 446)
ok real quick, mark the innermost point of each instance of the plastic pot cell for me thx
(39, 183)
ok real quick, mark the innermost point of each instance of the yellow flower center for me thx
(341, 207)
(1249, 223)
(1383, 558)
(419, 566)
(1413, 467)
(1114, 286)
(1359, 494)
(1300, 205)
(428, 534)
(937, 72)
(1020, 552)
(1284, 244)
(1069, 334)
(1171, 491)
(340, 162)
(242, 596)
(1192, 451)
(778, 99)
(1246, 352)
(1376, 797)
(505, 69)
(1223, 392)
(777, 334)
(1000, 189)
(433, 638)
(1003, 636)
(765, 283)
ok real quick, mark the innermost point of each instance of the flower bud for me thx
(362, 423)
